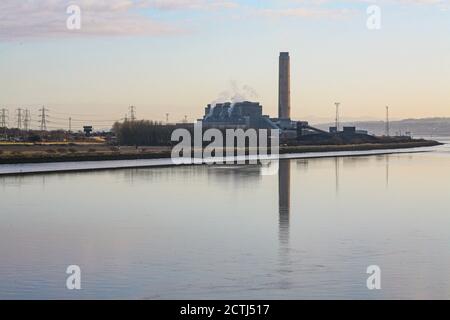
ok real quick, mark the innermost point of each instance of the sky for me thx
(176, 56)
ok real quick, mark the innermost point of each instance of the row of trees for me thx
(144, 133)
(19, 135)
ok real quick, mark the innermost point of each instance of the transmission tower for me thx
(27, 120)
(388, 129)
(19, 118)
(337, 104)
(167, 118)
(43, 121)
(133, 113)
(4, 118)
(70, 124)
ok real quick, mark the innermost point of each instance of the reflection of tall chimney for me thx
(284, 199)
(284, 87)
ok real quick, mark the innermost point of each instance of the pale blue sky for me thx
(178, 55)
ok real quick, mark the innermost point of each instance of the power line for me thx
(19, 118)
(43, 121)
(79, 114)
(27, 120)
(84, 120)
(133, 113)
(4, 116)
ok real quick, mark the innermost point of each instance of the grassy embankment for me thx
(29, 153)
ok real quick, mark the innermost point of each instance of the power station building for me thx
(236, 115)
(246, 114)
(249, 114)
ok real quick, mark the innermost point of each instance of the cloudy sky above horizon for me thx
(175, 56)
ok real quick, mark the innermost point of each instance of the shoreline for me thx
(147, 153)
(21, 169)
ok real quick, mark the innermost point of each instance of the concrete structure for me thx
(349, 130)
(284, 86)
(243, 115)
(246, 114)
(87, 130)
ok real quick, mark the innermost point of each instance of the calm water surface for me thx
(219, 232)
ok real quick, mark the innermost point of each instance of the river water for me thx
(218, 232)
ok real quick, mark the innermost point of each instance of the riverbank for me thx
(23, 154)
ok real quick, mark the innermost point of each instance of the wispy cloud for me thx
(47, 18)
(436, 3)
(189, 4)
(441, 4)
(306, 12)
(321, 2)
(328, 9)
(431, 2)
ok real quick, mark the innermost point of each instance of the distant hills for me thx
(417, 127)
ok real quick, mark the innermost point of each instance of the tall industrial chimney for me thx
(284, 87)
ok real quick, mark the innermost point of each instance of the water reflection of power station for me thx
(284, 189)
(284, 200)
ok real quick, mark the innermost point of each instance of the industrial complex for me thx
(249, 114)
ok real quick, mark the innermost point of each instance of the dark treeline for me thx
(151, 133)
(30, 136)
(144, 133)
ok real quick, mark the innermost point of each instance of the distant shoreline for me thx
(81, 153)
